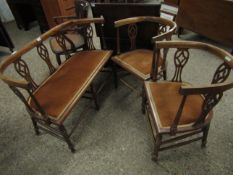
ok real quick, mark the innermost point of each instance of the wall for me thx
(5, 12)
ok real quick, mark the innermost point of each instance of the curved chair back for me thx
(211, 92)
(163, 29)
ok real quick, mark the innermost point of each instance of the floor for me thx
(114, 140)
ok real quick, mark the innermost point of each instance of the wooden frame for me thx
(211, 94)
(40, 118)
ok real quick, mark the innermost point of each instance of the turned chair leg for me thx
(114, 69)
(205, 135)
(36, 128)
(66, 137)
(158, 140)
(58, 59)
(94, 96)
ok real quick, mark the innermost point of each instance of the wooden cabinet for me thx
(54, 8)
(211, 18)
(172, 2)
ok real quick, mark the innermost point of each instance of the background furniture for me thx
(115, 11)
(139, 61)
(5, 39)
(211, 18)
(75, 40)
(26, 11)
(53, 8)
(178, 109)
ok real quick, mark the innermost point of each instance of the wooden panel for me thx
(54, 8)
(65, 6)
(211, 18)
(51, 9)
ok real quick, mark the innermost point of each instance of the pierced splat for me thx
(180, 59)
(63, 42)
(44, 54)
(162, 28)
(22, 69)
(210, 101)
(132, 32)
(222, 73)
(89, 35)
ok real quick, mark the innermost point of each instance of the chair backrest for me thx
(211, 92)
(161, 29)
(81, 8)
(21, 67)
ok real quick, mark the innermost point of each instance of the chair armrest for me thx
(214, 88)
(167, 35)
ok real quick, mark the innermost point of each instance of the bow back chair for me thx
(138, 60)
(74, 38)
(182, 111)
(50, 102)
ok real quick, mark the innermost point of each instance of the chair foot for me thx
(158, 140)
(66, 138)
(94, 97)
(36, 128)
(205, 135)
(154, 157)
(143, 101)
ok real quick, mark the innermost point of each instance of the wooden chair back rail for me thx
(165, 29)
(37, 43)
(211, 93)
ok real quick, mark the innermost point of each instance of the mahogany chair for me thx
(75, 39)
(138, 60)
(50, 102)
(177, 109)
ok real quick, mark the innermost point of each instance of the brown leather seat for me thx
(166, 99)
(77, 40)
(59, 92)
(138, 62)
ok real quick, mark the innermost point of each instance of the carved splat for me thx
(180, 59)
(222, 73)
(210, 101)
(162, 28)
(89, 37)
(63, 42)
(44, 54)
(23, 70)
(132, 32)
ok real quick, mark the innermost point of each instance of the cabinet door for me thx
(51, 9)
(66, 7)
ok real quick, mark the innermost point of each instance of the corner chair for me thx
(137, 60)
(180, 112)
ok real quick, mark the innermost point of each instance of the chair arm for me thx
(214, 88)
(63, 18)
(163, 36)
(16, 83)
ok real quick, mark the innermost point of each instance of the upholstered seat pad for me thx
(137, 61)
(58, 94)
(166, 99)
(77, 39)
